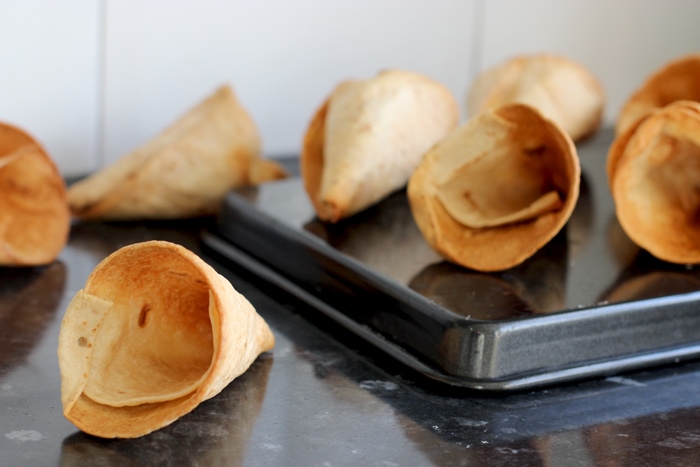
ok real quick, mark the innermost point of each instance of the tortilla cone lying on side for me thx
(34, 217)
(497, 189)
(654, 173)
(154, 332)
(677, 80)
(366, 139)
(561, 89)
(184, 172)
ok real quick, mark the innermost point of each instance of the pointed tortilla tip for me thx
(366, 139)
(183, 172)
(34, 216)
(154, 332)
(497, 189)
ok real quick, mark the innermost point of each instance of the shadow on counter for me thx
(526, 428)
(29, 299)
(217, 432)
(103, 238)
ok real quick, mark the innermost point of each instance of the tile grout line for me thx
(100, 155)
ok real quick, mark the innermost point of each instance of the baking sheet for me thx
(589, 303)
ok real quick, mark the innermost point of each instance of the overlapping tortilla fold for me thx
(34, 217)
(154, 332)
(366, 139)
(677, 80)
(654, 174)
(497, 189)
(184, 172)
(561, 89)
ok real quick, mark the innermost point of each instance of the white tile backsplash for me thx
(281, 57)
(620, 41)
(49, 72)
(93, 79)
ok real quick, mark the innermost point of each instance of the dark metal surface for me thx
(589, 303)
(323, 397)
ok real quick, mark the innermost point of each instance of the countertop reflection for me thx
(324, 398)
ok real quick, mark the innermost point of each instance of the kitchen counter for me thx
(322, 397)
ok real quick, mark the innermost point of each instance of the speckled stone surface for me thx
(322, 397)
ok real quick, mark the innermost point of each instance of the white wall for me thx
(282, 57)
(92, 79)
(49, 76)
(620, 41)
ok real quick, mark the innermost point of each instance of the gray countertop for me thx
(322, 397)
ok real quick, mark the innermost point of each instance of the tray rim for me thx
(477, 372)
(231, 252)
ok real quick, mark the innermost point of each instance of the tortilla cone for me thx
(34, 217)
(677, 80)
(184, 172)
(654, 173)
(154, 332)
(497, 189)
(366, 139)
(561, 89)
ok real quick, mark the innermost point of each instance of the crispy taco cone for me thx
(654, 174)
(561, 89)
(366, 139)
(154, 332)
(34, 217)
(184, 172)
(497, 189)
(677, 80)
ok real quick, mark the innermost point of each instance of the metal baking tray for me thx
(589, 303)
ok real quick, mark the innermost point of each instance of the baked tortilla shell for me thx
(563, 90)
(654, 174)
(184, 172)
(497, 189)
(34, 216)
(367, 138)
(154, 332)
(676, 80)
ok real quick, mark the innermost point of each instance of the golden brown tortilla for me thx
(367, 138)
(34, 217)
(676, 80)
(654, 174)
(497, 189)
(184, 172)
(561, 89)
(154, 332)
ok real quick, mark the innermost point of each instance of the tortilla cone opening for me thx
(511, 182)
(156, 343)
(497, 189)
(654, 173)
(154, 332)
(34, 217)
(675, 81)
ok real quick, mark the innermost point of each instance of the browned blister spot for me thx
(143, 316)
